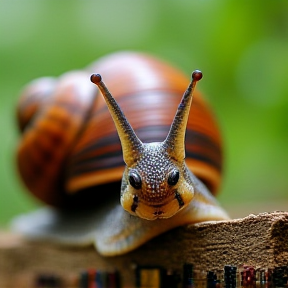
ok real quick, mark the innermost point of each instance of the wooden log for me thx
(257, 240)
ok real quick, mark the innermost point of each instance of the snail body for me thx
(162, 184)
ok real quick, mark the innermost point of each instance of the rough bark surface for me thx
(258, 240)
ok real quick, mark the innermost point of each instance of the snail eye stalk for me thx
(175, 140)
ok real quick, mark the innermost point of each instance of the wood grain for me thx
(258, 240)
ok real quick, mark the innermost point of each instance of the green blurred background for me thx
(241, 47)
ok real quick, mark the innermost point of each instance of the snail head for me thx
(156, 182)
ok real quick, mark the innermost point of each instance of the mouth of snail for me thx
(152, 211)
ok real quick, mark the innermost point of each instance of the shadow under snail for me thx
(70, 156)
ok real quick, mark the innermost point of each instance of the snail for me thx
(70, 156)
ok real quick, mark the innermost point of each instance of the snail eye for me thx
(173, 177)
(135, 180)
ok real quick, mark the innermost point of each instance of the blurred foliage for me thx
(241, 46)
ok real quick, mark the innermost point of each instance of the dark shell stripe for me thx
(96, 157)
(97, 151)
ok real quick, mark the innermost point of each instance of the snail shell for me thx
(70, 155)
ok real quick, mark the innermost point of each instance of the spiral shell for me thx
(70, 149)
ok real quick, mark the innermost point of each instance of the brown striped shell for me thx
(70, 144)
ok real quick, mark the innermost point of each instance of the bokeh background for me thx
(241, 47)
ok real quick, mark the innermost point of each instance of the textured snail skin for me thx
(148, 91)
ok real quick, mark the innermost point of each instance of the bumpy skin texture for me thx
(157, 183)
(156, 199)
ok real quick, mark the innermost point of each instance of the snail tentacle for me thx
(131, 144)
(175, 140)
